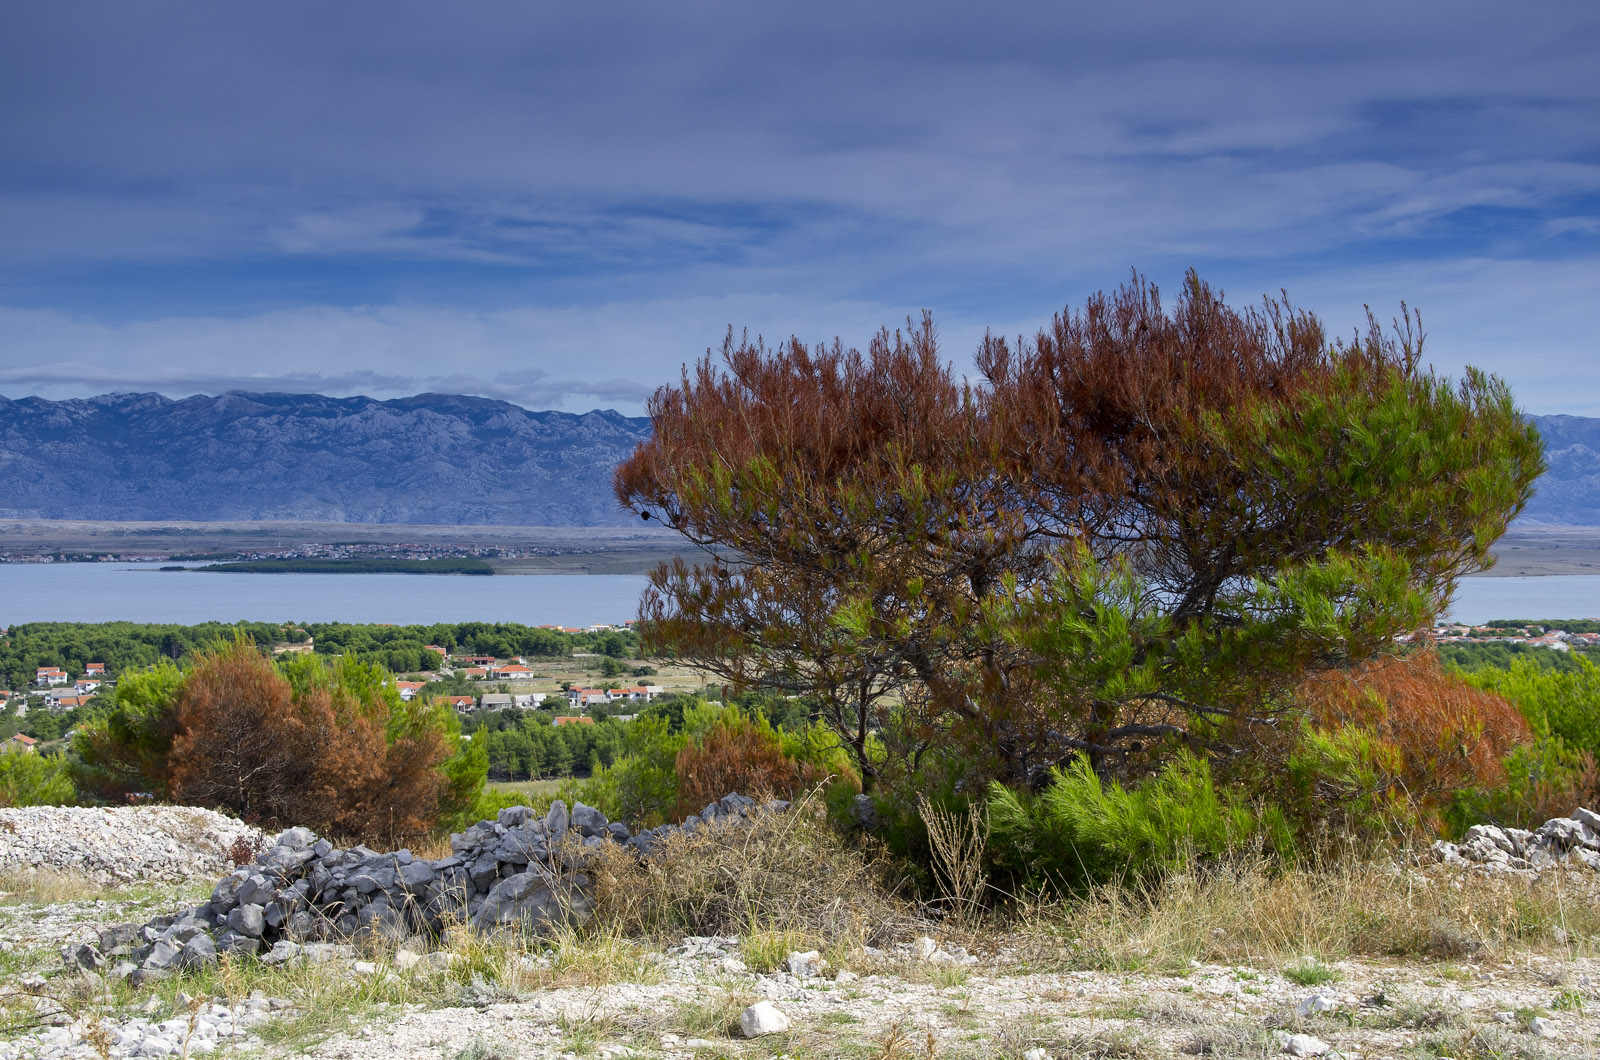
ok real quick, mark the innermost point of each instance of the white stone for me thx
(1316, 1003)
(1303, 1045)
(1542, 1027)
(924, 947)
(807, 965)
(1036, 1053)
(762, 1018)
(845, 976)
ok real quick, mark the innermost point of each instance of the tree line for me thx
(124, 646)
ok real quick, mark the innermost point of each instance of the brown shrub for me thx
(240, 743)
(738, 758)
(1448, 735)
(246, 743)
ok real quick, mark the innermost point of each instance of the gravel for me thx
(124, 844)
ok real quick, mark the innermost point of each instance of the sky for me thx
(559, 204)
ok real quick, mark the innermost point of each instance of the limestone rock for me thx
(762, 1018)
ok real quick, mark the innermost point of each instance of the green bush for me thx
(35, 780)
(1081, 831)
(1563, 703)
(1543, 779)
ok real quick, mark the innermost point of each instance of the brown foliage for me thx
(866, 515)
(246, 743)
(739, 758)
(1449, 735)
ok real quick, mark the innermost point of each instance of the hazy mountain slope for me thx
(434, 458)
(1570, 491)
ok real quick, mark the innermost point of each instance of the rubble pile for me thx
(519, 872)
(1573, 840)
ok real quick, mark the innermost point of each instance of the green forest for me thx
(401, 649)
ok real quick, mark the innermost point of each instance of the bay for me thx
(1479, 600)
(141, 592)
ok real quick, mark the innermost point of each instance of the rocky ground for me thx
(923, 996)
(124, 844)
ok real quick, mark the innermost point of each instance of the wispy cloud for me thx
(416, 196)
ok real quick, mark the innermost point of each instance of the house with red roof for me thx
(463, 703)
(46, 676)
(582, 719)
(408, 689)
(94, 669)
(22, 744)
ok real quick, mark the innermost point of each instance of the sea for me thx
(142, 592)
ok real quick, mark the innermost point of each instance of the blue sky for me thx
(559, 204)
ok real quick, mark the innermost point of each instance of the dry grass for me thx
(46, 886)
(957, 842)
(787, 874)
(1257, 912)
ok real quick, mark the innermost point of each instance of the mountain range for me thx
(431, 459)
(438, 459)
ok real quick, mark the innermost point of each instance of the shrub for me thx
(1563, 703)
(1394, 742)
(739, 755)
(641, 785)
(780, 874)
(126, 751)
(1081, 831)
(1543, 779)
(321, 742)
(35, 780)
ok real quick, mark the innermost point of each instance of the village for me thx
(571, 687)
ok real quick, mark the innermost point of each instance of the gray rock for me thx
(417, 875)
(1489, 833)
(83, 956)
(484, 871)
(199, 952)
(282, 952)
(619, 831)
(295, 838)
(1561, 832)
(256, 889)
(248, 920)
(864, 812)
(163, 957)
(513, 816)
(588, 820)
(556, 821)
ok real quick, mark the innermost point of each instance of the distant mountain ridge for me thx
(440, 459)
(429, 459)
(1569, 493)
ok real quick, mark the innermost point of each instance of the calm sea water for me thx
(138, 592)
